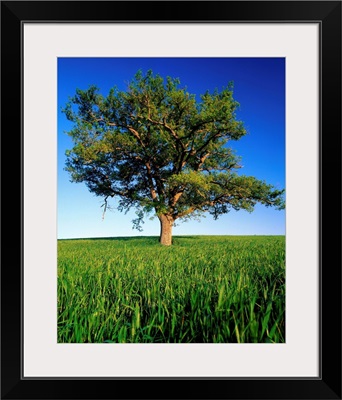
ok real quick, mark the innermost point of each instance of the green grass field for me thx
(202, 289)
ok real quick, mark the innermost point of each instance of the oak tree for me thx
(158, 149)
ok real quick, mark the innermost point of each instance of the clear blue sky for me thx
(259, 87)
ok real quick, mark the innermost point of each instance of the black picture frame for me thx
(328, 385)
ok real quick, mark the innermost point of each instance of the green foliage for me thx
(159, 149)
(215, 289)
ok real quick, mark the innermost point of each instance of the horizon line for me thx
(157, 236)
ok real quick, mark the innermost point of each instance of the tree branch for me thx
(165, 125)
(150, 182)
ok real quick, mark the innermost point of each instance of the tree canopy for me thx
(158, 149)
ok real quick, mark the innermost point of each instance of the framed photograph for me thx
(220, 115)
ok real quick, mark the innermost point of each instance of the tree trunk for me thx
(166, 224)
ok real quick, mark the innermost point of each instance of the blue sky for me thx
(259, 87)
